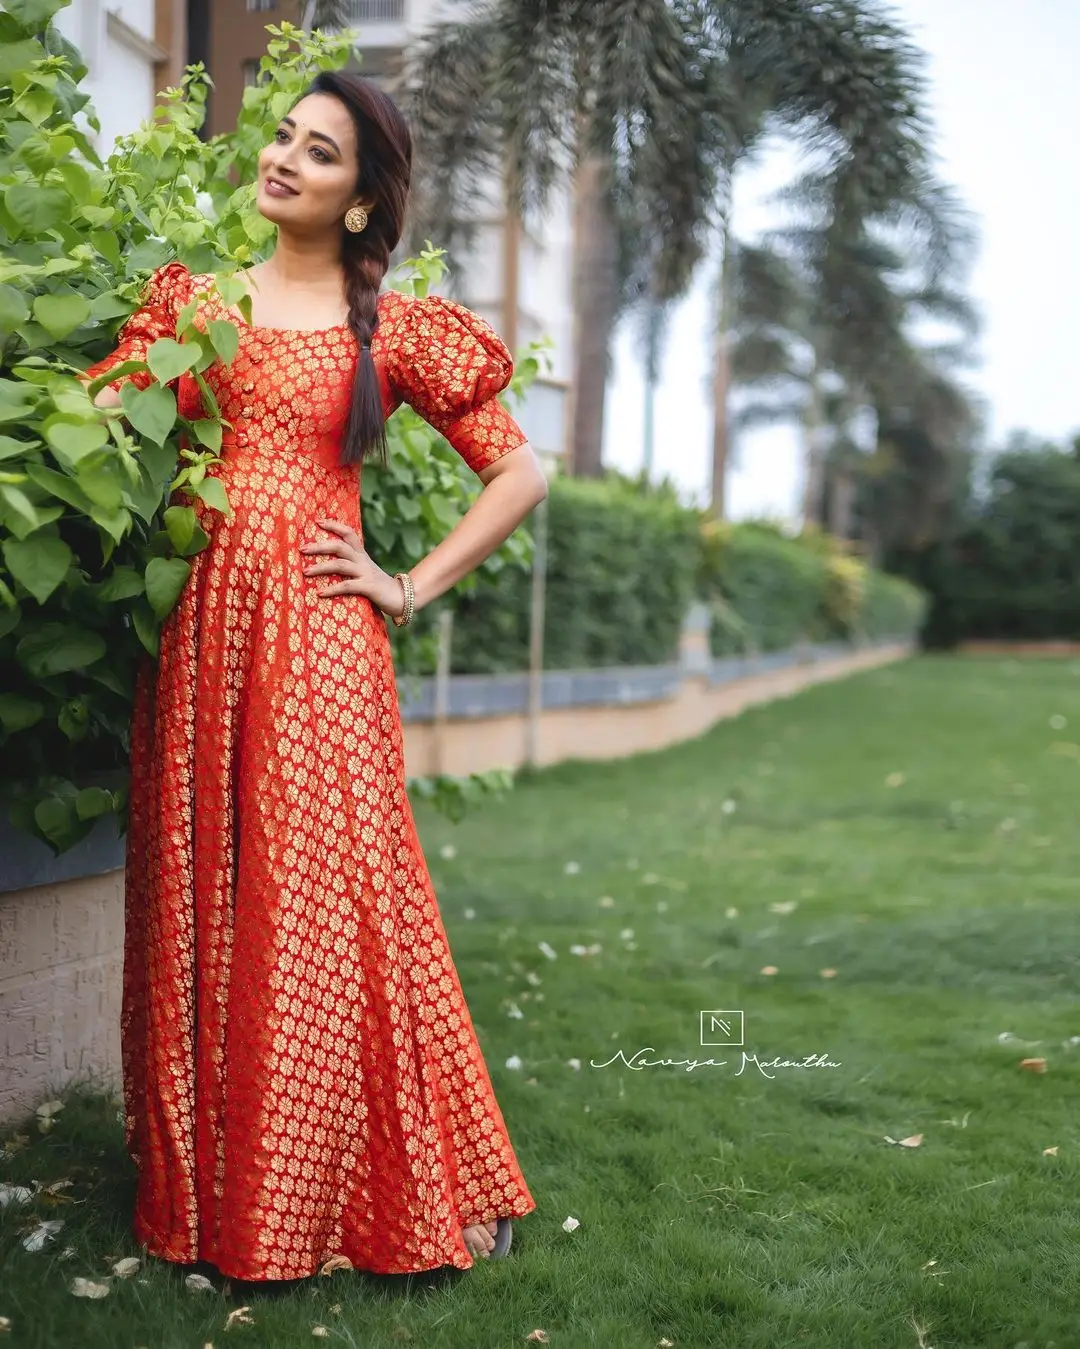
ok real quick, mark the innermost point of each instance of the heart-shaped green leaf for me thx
(212, 491)
(75, 439)
(169, 359)
(54, 648)
(226, 338)
(165, 578)
(40, 564)
(209, 434)
(61, 314)
(152, 411)
(18, 712)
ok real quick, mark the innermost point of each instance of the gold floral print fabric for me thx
(302, 1077)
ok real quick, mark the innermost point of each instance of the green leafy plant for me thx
(98, 512)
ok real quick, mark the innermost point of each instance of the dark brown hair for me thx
(384, 151)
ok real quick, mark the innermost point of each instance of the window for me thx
(261, 6)
(251, 74)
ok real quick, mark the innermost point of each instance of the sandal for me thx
(503, 1237)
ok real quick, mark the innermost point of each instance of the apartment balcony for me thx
(375, 11)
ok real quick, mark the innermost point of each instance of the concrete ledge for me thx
(463, 745)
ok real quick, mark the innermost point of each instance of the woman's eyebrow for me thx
(316, 135)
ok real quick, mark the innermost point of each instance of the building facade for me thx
(132, 49)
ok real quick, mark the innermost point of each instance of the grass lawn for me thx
(913, 830)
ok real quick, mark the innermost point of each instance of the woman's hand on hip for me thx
(350, 560)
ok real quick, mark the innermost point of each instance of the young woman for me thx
(302, 1078)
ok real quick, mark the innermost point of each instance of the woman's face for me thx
(313, 152)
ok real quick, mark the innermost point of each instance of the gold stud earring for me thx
(356, 219)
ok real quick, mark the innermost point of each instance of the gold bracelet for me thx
(410, 599)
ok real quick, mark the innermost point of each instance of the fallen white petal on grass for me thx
(49, 1108)
(606, 902)
(571, 869)
(957, 1123)
(448, 850)
(89, 1288)
(14, 1194)
(547, 950)
(913, 1142)
(469, 913)
(895, 780)
(35, 1240)
(124, 1269)
(533, 978)
(627, 934)
(514, 1062)
(575, 1064)
(1058, 722)
(5, 1325)
(731, 912)
(1050, 1152)
(515, 1012)
(537, 1336)
(1033, 1065)
(570, 1224)
(198, 1283)
(728, 807)
(665, 1344)
(320, 1331)
(769, 969)
(784, 906)
(827, 974)
(240, 1316)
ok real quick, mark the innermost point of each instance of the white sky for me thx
(1006, 104)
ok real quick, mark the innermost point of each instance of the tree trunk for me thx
(841, 501)
(813, 504)
(722, 380)
(595, 302)
(652, 378)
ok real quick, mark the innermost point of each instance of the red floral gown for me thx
(302, 1078)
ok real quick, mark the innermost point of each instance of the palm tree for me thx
(329, 14)
(654, 104)
(825, 336)
(611, 94)
(844, 81)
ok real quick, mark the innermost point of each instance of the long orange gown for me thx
(302, 1077)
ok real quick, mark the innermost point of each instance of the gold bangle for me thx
(410, 599)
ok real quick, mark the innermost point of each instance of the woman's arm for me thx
(513, 486)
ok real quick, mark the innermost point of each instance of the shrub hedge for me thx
(624, 563)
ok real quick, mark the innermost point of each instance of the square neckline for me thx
(243, 324)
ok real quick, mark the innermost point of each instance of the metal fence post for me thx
(536, 635)
(442, 685)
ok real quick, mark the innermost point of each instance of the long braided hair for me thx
(384, 145)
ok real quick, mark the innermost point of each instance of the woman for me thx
(301, 1074)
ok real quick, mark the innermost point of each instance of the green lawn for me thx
(913, 829)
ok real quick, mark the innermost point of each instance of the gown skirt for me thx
(302, 1078)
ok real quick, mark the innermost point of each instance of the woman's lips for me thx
(279, 189)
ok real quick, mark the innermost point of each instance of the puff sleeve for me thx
(449, 365)
(165, 294)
